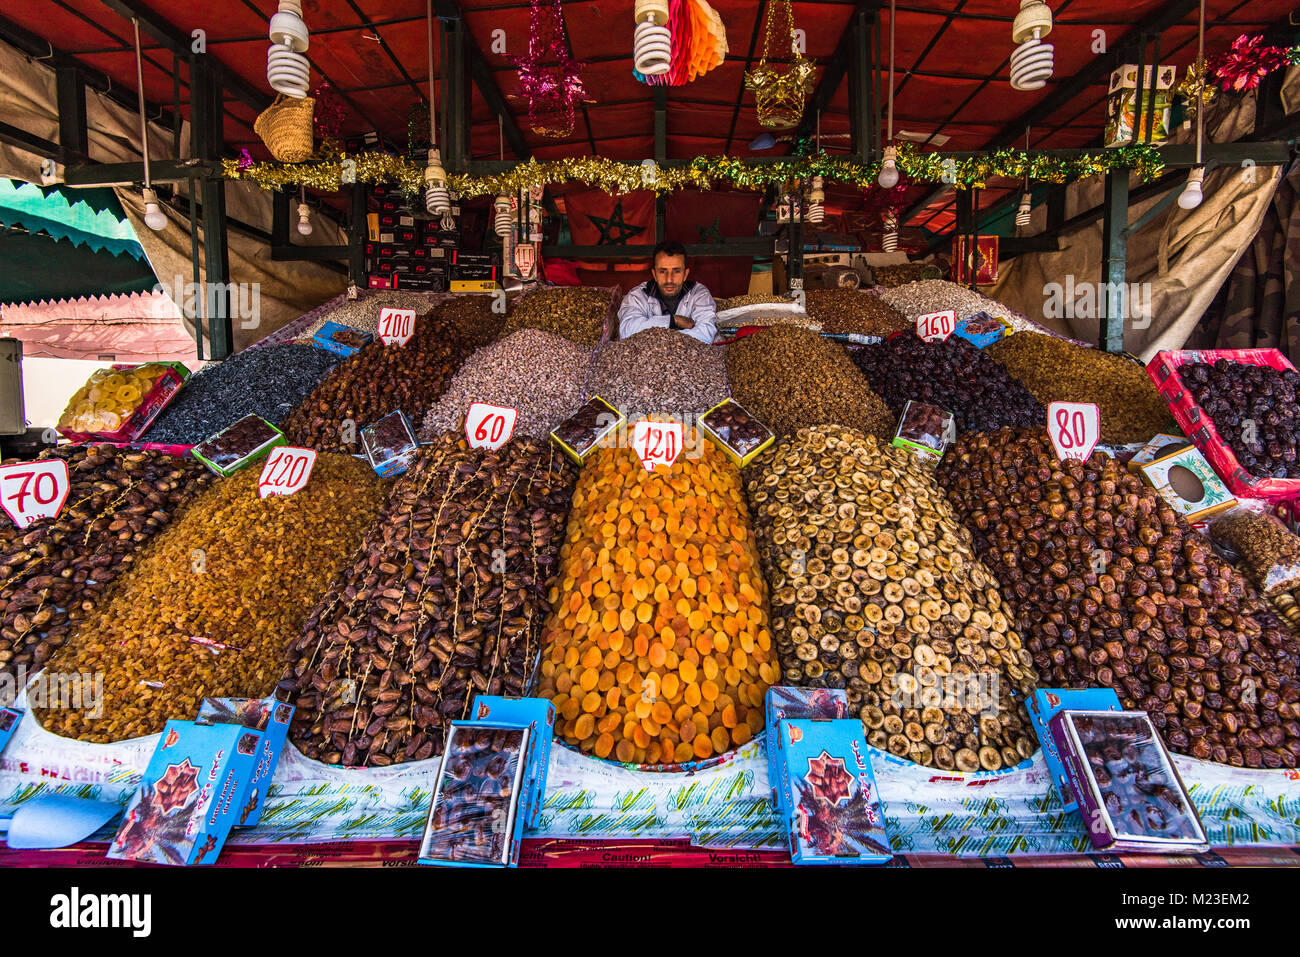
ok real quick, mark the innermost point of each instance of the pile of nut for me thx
(373, 382)
(875, 589)
(954, 375)
(751, 299)
(791, 377)
(659, 370)
(936, 295)
(363, 312)
(577, 314)
(657, 648)
(54, 572)
(1055, 370)
(209, 608)
(900, 274)
(851, 311)
(540, 374)
(1255, 409)
(1112, 588)
(445, 600)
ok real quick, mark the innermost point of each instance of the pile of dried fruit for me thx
(576, 313)
(790, 378)
(268, 382)
(368, 385)
(875, 589)
(1111, 587)
(751, 299)
(538, 373)
(953, 375)
(1255, 409)
(54, 572)
(657, 647)
(445, 600)
(1269, 551)
(472, 319)
(851, 311)
(659, 370)
(209, 608)
(935, 295)
(1055, 370)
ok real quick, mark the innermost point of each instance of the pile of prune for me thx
(1255, 410)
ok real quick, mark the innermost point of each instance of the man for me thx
(670, 300)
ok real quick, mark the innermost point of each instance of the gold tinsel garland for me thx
(612, 176)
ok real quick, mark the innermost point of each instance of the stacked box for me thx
(268, 717)
(9, 718)
(784, 702)
(538, 716)
(1044, 706)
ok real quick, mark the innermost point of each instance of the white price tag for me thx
(489, 426)
(1075, 428)
(32, 490)
(657, 443)
(396, 326)
(936, 326)
(286, 471)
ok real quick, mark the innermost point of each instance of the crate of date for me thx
(827, 793)
(389, 444)
(783, 702)
(538, 716)
(1044, 705)
(190, 796)
(270, 719)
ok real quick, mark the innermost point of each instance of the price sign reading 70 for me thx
(33, 490)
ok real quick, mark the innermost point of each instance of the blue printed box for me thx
(1044, 705)
(828, 798)
(538, 716)
(782, 702)
(190, 795)
(9, 718)
(340, 339)
(268, 717)
(982, 329)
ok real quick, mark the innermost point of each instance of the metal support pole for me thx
(71, 90)
(1114, 267)
(455, 96)
(661, 156)
(861, 89)
(357, 234)
(206, 115)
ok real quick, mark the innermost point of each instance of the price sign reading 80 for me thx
(936, 326)
(32, 490)
(1075, 428)
(286, 471)
(396, 326)
(657, 443)
(489, 426)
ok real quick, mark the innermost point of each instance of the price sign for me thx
(286, 471)
(32, 490)
(396, 326)
(489, 426)
(936, 326)
(1075, 428)
(657, 443)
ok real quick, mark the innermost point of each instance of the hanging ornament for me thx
(287, 70)
(889, 241)
(1196, 89)
(503, 222)
(816, 201)
(245, 159)
(1031, 61)
(329, 112)
(549, 89)
(780, 93)
(1240, 68)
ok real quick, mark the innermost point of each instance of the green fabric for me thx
(94, 220)
(34, 267)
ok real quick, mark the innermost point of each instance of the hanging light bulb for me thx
(816, 201)
(1031, 62)
(287, 70)
(1025, 212)
(651, 41)
(1192, 195)
(304, 219)
(888, 178)
(504, 222)
(153, 214)
(889, 241)
(437, 198)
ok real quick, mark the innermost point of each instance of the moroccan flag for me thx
(709, 217)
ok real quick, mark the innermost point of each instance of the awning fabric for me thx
(91, 218)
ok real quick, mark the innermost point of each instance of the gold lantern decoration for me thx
(780, 89)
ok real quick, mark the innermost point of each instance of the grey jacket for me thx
(641, 309)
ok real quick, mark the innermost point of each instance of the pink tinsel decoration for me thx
(549, 89)
(1240, 68)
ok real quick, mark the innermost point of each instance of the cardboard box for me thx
(270, 718)
(372, 227)
(1185, 480)
(465, 273)
(389, 444)
(340, 339)
(1124, 113)
(982, 330)
(538, 716)
(380, 282)
(827, 793)
(9, 719)
(474, 285)
(238, 445)
(433, 282)
(1044, 705)
(740, 435)
(1148, 452)
(190, 795)
(785, 702)
(925, 430)
(581, 433)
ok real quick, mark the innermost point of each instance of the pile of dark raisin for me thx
(1255, 410)
(953, 375)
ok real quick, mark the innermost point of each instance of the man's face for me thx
(670, 272)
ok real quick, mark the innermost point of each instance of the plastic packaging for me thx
(1268, 549)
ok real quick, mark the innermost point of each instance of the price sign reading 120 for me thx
(396, 326)
(1075, 428)
(657, 443)
(286, 471)
(489, 426)
(32, 490)
(936, 326)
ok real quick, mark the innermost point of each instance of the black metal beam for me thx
(834, 70)
(1114, 251)
(293, 253)
(356, 234)
(455, 94)
(124, 174)
(206, 115)
(71, 93)
(728, 247)
(862, 85)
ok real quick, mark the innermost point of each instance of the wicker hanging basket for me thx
(286, 128)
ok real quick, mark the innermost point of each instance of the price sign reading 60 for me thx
(286, 471)
(489, 426)
(32, 490)
(657, 443)
(1075, 428)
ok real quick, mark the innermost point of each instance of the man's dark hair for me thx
(669, 247)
